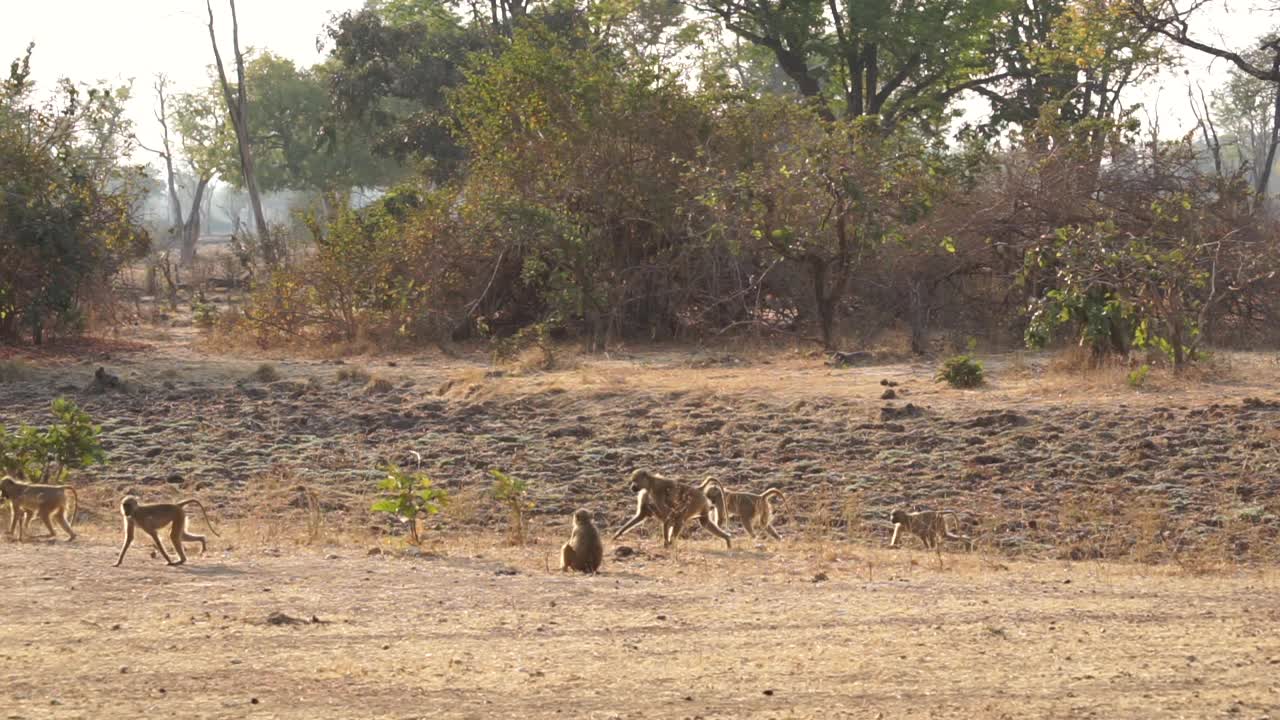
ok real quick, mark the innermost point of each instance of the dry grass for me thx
(265, 373)
(13, 371)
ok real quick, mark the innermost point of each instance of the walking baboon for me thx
(152, 518)
(752, 510)
(584, 551)
(928, 525)
(674, 503)
(27, 500)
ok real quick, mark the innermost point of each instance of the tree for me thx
(823, 195)
(206, 140)
(1173, 21)
(165, 152)
(389, 70)
(67, 203)
(893, 58)
(287, 134)
(576, 157)
(238, 110)
(1245, 108)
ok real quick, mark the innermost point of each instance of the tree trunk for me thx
(191, 228)
(919, 318)
(824, 301)
(238, 108)
(1265, 177)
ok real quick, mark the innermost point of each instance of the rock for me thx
(888, 394)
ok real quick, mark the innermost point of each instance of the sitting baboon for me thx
(673, 502)
(928, 525)
(27, 500)
(584, 551)
(752, 510)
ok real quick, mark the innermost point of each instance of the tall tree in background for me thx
(202, 131)
(892, 58)
(1172, 20)
(165, 152)
(238, 109)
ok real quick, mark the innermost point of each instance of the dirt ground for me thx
(1127, 540)
(697, 632)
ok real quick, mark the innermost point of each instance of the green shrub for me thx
(1138, 377)
(513, 493)
(409, 495)
(961, 371)
(204, 314)
(48, 455)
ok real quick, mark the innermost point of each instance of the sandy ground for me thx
(795, 631)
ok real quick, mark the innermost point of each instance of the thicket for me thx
(613, 172)
(603, 198)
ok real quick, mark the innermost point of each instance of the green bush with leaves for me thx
(408, 496)
(513, 493)
(1138, 377)
(961, 371)
(48, 455)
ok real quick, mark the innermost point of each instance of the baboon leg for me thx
(642, 513)
(13, 517)
(156, 539)
(894, 540)
(567, 559)
(192, 537)
(128, 540)
(175, 536)
(672, 531)
(715, 530)
(748, 526)
(773, 533)
(62, 520)
(44, 518)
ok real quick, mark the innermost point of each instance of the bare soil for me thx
(695, 633)
(1127, 541)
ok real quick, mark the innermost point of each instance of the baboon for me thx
(27, 500)
(752, 510)
(584, 551)
(155, 517)
(929, 525)
(674, 503)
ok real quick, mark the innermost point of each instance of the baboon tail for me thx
(773, 492)
(203, 512)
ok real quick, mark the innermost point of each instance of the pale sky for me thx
(115, 40)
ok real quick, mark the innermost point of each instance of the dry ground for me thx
(486, 632)
(1044, 466)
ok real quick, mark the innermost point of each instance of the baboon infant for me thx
(584, 551)
(929, 525)
(27, 500)
(752, 510)
(152, 518)
(672, 502)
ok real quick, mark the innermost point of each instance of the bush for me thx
(265, 373)
(1138, 377)
(514, 494)
(409, 496)
(961, 371)
(204, 314)
(47, 456)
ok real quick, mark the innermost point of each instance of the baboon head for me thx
(128, 504)
(6, 487)
(898, 516)
(641, 480)
(712, 489)
(581, 517)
